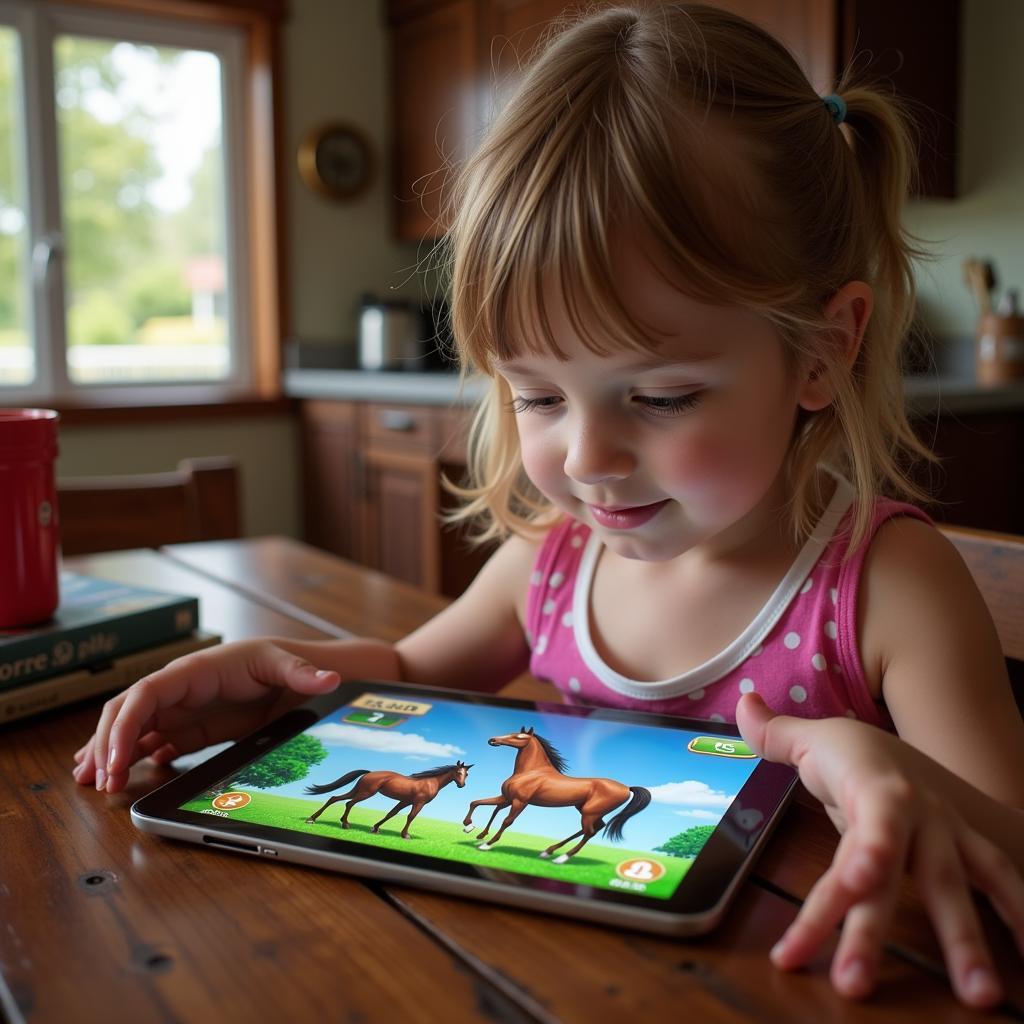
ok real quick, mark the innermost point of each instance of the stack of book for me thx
(103, 637)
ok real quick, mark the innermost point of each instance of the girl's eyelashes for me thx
(668, 405)
(657, 405)
(543, 404)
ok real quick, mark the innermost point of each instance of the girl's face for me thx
(666, 452)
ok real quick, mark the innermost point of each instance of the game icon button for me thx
(720, 746)
(639, 869)
(231, 801)
(376, 718)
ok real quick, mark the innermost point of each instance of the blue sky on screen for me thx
(687, 789)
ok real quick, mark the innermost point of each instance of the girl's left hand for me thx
(892, 819)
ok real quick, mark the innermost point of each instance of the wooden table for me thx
(99, 922)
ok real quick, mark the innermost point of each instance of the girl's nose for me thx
(598, 452)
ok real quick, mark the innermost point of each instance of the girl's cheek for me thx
(540, 461)
(719, 475)
(698, 460)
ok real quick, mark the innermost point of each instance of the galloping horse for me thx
(537, 779)
(409, 790)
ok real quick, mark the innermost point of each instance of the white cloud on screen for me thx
(407, 744)
(691, 793)
(700, 815)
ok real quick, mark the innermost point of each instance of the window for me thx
(127, 257)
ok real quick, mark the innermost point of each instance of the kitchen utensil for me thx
(979, 276)
(1000, 348)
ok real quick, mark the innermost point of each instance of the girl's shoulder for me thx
(909, 557)
(928, 637)
(915, 590)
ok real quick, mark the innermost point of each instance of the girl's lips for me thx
(626, 518)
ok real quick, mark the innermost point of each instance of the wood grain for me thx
(798, 855)
(341, 597)
(148, 929)
(101, 922)
(570, 969)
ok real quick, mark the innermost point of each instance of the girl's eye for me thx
(668, 405)
(546, 403)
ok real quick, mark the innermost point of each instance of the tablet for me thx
(644, 821)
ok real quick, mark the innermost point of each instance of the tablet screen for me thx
(577, 798)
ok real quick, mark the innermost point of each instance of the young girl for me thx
(685, 274)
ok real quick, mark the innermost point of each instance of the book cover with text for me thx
(97, 621)
(67, 688)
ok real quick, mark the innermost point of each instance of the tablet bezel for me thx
(696, 905)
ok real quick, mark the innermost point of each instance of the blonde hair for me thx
(607, 127)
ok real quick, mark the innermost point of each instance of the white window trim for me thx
(38, 26)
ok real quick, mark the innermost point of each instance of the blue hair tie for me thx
(836, 106)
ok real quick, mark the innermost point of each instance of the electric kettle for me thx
(390, 334)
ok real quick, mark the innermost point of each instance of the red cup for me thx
(29, 530)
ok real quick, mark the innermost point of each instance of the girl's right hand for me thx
(898, 811)
(203, 698)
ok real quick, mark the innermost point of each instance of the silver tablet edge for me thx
(659, 922)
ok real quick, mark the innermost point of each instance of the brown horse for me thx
(409, 790)
(537, 779)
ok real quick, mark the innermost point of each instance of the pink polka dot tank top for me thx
(799, 653)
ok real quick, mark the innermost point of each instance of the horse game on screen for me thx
(608, 804)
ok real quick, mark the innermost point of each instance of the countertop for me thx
(925, 393)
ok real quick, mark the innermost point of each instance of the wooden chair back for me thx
(996, 561)
(197, 501)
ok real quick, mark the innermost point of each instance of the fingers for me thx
(267, 665)
(942, 883)
(992, 872)
(862, 884)
(85, 771)
(845, 885)
(240, 672)
(856, 961)
(752, 718)
(774, 737)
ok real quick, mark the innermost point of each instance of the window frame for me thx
(245, 39)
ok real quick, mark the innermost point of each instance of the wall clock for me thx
(335, 160)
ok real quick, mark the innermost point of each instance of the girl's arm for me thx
(943, 801)
(226, 691)
(928, 641)
(477, 642)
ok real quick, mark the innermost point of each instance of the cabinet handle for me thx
(396, 420)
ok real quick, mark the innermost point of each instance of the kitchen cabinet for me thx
(915, 51)
(978, 481)
(373, 490)
(331, 465)
(454, 62)
(435, 100)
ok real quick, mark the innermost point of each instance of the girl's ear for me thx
(849, 310)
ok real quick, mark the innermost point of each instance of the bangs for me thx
(537, 223)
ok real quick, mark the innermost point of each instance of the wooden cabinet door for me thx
(400, 531)
(916, 52)
(806, 27)
(978, 482)
(434, 52)
(331, 493)
(510, 32)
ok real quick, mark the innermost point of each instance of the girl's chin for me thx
(643, 549)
